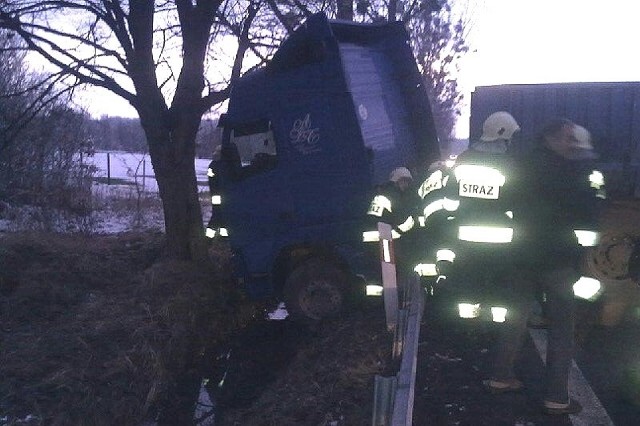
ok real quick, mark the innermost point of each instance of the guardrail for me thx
(394, 396)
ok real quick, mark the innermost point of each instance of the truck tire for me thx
(314, 290)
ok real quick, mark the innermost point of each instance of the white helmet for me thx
(499, 125)
(399, 173)
(581, 145)
(582, 138)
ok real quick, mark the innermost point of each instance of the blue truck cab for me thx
(305, 140)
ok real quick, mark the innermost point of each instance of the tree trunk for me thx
(393, 10)
(182, 211)
(172, 152)
(345, 10)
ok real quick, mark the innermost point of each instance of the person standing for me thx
(471, 205)
(581, 153)
(559, 199)
(215, 227)
(395, 203)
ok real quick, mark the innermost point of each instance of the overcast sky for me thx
(534, 41)
(538, 41)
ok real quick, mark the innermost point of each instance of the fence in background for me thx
(124, 168)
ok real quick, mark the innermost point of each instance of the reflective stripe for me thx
(432, 207)
(586, 288)
(369, 236)
(485, 234)
(433, 182)
(210, 172)
(475, 173)
(596, 179)
(426, 269)
(587, 238)
(468, 310)
(379, 204)
(446, 255)
(498, 314)
(407, 224)
(216, 200)
(443, 203)
(212, 233)
(450, 205)
(386, 251)
(374, 290)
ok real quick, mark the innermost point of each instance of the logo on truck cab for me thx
(304, 138)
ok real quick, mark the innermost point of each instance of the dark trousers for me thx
(557, 284)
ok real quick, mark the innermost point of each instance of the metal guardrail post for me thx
(384, 390)
(399, 333)
(393, 403)
(405, 391)
(389, 280)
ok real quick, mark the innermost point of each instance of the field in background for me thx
(126, 168)
(124, 197)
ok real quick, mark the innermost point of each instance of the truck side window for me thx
(256, 149)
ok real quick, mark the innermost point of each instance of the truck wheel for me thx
(315, 290)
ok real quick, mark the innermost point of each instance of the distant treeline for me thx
(125, 134)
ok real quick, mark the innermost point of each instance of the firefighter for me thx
(472, 204)
(434, 231)
(561, 202)
(215, 227)
(581, 153)
(395, 203)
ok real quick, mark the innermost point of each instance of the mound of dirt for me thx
(327, 380)
(100, 331)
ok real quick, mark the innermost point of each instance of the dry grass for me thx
(97, 330)
(330, 379)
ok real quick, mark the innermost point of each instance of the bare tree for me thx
(155, 55)
(15, 95)
(166, 58)
(345, 9)
(439, 41)
(39, 161)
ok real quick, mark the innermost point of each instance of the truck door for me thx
(258, 206)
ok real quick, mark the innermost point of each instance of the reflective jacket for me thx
(436, 236)
(393, 206)
(564, 207)
(471, 207)
(485, 189)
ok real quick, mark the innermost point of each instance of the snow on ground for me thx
(125, 197)
(136, 168)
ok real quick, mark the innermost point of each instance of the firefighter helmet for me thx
(582, 138)
(499, 126)
(581, 146)
(400, 173)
